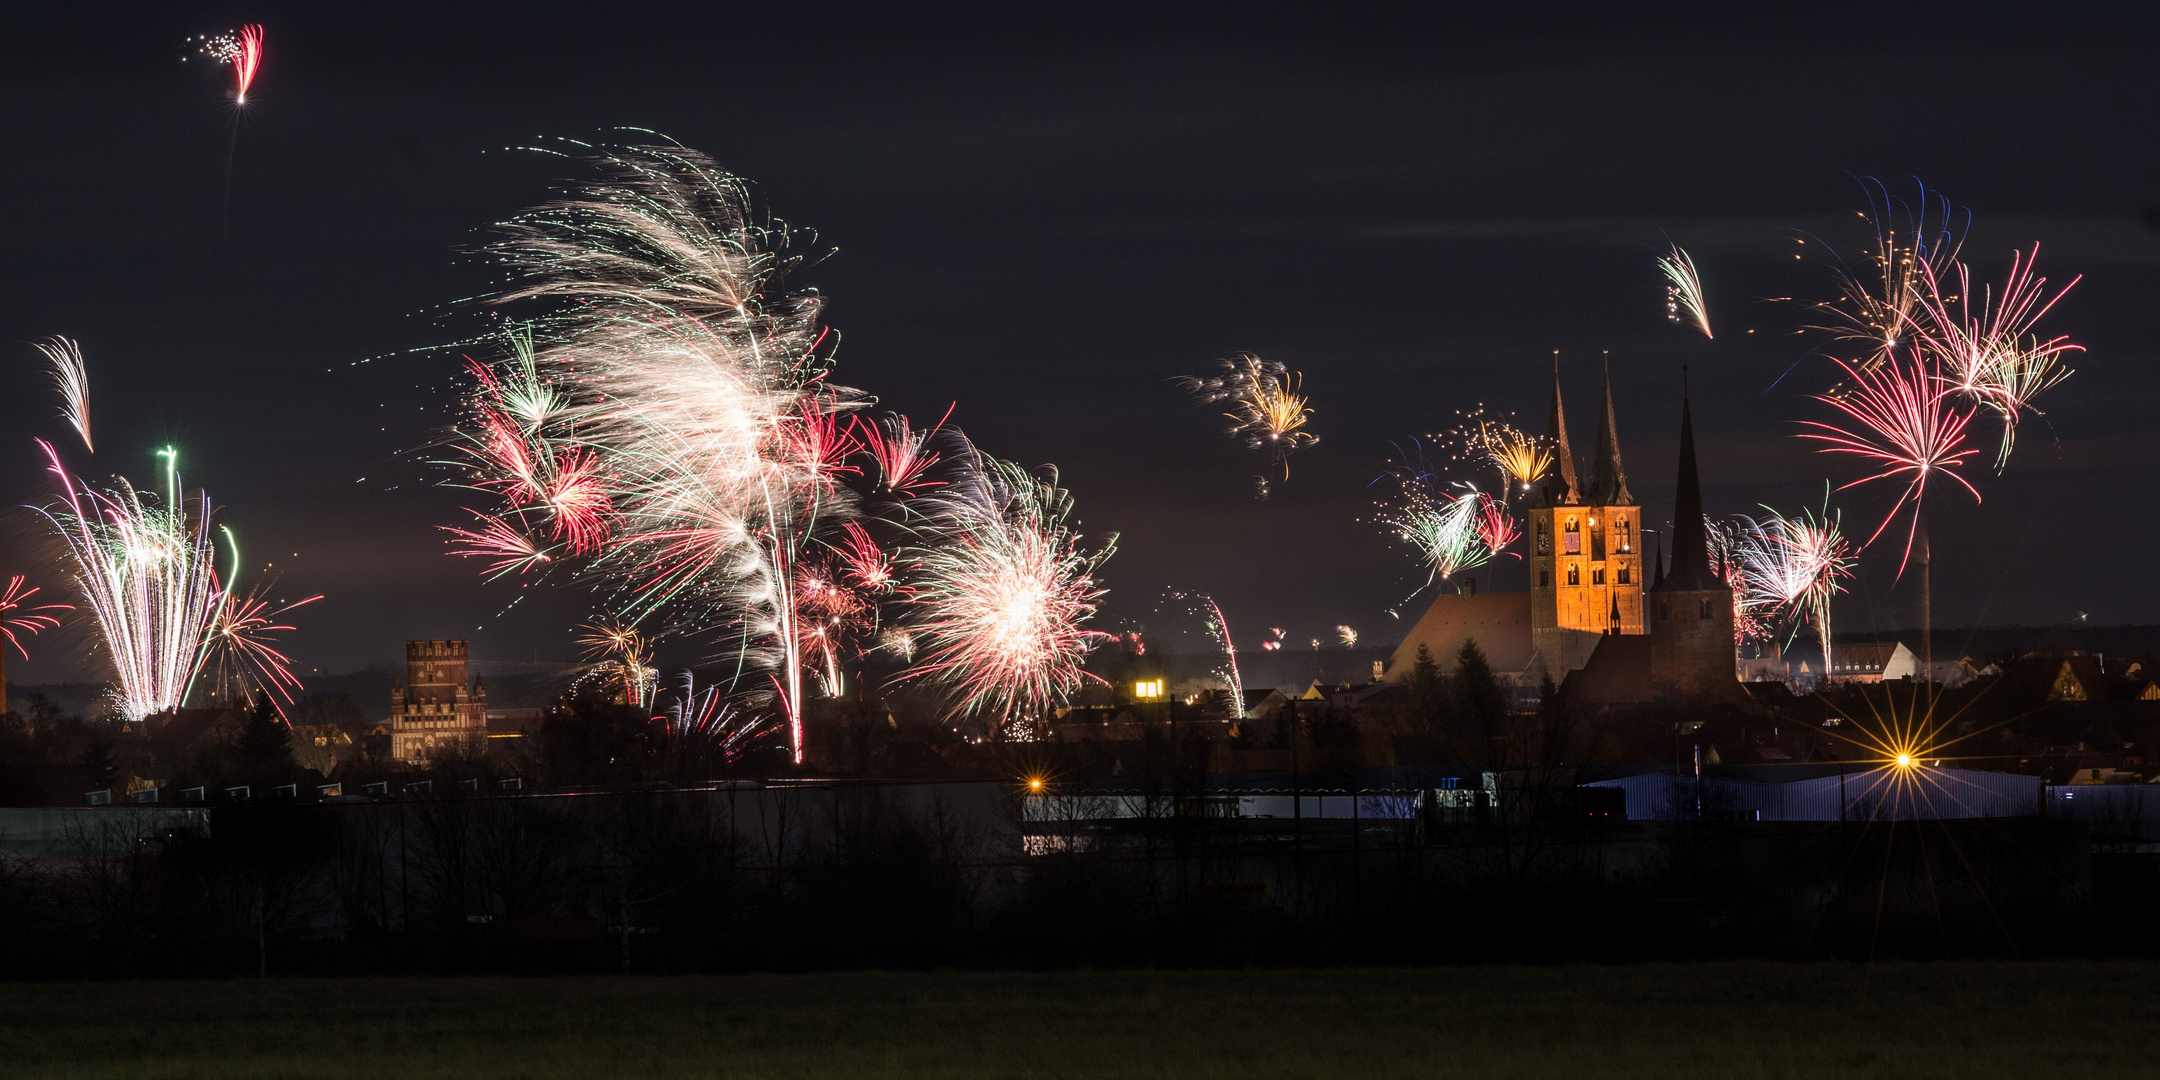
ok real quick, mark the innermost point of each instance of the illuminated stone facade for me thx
(1585, 539)
(434, 707)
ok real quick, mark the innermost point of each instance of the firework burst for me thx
(1880, 300)
(146, 567)
(1001, 591)
(242, 50)
(1792, 567)
(1988, 350)
(1684, 292)
(18, 616)
(1264, 403)
(240, 652)
(1902, 422)
(72, 380)
(1522, 458)
(1218, 631)
(618, 652)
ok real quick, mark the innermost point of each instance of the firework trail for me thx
(1684, 292)
(73, 382)
(242, 50)
(1903, 422)
(615, 651)
(1265, 405)
(1001, 590)
(1988, 350)
(666, 424)
(145, 565)
(1218, 629)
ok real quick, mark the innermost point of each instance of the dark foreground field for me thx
(1722, 1020)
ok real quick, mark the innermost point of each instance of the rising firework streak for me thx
(1684, 292)
(73, 382)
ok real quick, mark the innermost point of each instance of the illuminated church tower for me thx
(1586, 577)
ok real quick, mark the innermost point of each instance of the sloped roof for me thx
(1618, 672)
(1499, 622)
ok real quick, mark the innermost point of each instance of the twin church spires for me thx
(1608, 477)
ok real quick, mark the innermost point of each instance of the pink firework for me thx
(242, 50)
(1988, 347)
(512, 550)
(579, 508)
(239, 646)
(1494, 525)
(19, 616)
(865, 565)
(1904, 422)
(901, 453)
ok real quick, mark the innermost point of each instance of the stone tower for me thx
(1586, 574)
(434, 707)
(1691, 624)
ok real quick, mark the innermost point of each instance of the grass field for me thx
(1714, 1020)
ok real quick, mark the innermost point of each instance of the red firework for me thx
(18, 614)
(1903, 421)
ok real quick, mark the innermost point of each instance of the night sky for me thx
(1045, 218)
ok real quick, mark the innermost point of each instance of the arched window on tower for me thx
(1627, 537)
(1544, 538)
(1574, 574)
(1573, 546)
(1597, 576)
(1703, 608)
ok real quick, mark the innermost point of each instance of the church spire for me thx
(1608, 479)
(1559, 487)
(1691, 548)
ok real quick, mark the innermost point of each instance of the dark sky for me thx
(1045, 217)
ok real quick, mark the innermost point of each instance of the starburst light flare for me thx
(1902, 423)
(145, 566)
(1265, 405)
(1001, 591)
(73, 382)
(1684, 292)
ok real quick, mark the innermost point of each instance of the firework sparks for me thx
(1877, 306)
(669, 416)
(1684, 292)
(1346, 635)
(1794, 566)
(146, 567)
(1902, 422)
(616, 651)
(242, 50)
(18, 616)
(1452, 528)
(1988, 349)
(1521, 458)
(1218, 631)
(240, 653)
(1002, 590)
(1274, 641)
(901, 453)
(1266, 406)
(706, 720)
(73, 382)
